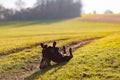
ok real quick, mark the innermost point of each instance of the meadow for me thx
(20, 50)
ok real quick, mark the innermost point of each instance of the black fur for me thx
(52, 54)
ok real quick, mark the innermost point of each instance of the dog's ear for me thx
(45, 46)
(54, 44)
(42, 45)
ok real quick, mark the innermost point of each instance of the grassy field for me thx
(96, 61)
(20, 50)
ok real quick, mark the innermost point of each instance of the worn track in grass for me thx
(74, 46)
(34, 66)
(4, 54)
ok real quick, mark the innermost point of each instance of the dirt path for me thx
(34, 67)
(74, 47)
(3, 55)
(77, 45)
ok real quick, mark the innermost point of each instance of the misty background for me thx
(55, 9)
(41, 10)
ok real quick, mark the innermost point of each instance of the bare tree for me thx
(1, 12)
(58, 8)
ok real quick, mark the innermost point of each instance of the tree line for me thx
(42, 10)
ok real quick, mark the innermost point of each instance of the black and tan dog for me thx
(51, 53)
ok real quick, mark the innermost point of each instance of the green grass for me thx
(14, 35)
(96, 61)
(18, 62)
(91, 62)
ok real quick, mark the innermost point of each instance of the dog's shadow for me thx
(42, 72)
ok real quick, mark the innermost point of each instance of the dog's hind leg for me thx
(64, 50)
(70, 51)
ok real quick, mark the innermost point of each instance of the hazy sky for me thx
(101, 5)
(11, 3)
(88, 5)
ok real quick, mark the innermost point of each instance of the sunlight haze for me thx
(101, 5)
(88, 5)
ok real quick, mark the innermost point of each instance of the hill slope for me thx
(96, 61)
